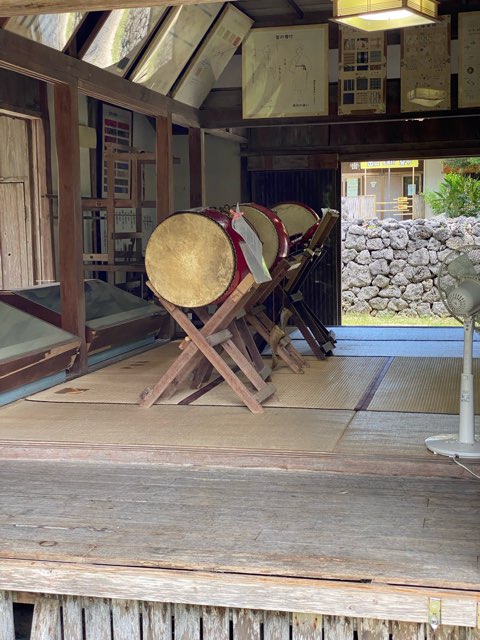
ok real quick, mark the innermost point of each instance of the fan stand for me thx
(465, 444)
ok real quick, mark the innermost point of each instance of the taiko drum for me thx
(271, 231)
(193, 258)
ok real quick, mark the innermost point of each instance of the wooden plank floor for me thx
(404, 531)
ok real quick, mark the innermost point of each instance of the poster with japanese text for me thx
(285, 72)
(469, 59)
(362, 72)
(173, 45)
(425, 67)
(213, 56)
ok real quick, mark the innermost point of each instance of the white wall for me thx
(432, 176)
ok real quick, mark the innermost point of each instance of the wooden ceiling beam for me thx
(34, 7)
(37, 61)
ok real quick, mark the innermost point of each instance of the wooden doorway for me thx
(26, 247)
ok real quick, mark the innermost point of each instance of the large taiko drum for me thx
(271, 231)
(193, 258)
(299, 219)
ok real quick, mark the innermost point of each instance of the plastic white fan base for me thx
(448, 445)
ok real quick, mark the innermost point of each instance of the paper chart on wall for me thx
(362, 72)
(173, 45)
(425, 67)
(285, 72)
(213, 56)
(469, 59)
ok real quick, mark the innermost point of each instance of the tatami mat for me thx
(383, 434)
(424, 385)
(334, 383)
(119, 383)
(173, 426)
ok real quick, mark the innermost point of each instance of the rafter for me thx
(31, 7)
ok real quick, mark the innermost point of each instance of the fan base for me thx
(448, 445)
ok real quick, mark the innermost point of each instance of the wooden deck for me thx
(299, 512)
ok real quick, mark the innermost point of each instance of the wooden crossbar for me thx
(320, 340)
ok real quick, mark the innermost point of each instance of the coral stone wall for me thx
(390, 266)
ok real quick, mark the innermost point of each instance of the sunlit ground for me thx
(364, 319)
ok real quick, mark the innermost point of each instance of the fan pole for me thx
(466, 434)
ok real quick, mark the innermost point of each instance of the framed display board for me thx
(362, 72)
(425, 67)
(121, 37)
(173, 45)
(117, 129)
(469, 59)
(285, 72)
(213, 56)
(52, 29)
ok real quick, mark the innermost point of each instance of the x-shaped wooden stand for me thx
(201, 348)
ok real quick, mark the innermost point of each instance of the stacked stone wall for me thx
(390, 266)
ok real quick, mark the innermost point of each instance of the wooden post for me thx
(196, 149)
(70, 222)
(164, 167)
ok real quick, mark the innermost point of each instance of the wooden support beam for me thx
(70, 224)
(37, 61)
(34, 7)
(196, 149)
(164, 152)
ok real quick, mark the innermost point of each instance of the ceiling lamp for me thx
(380, 15)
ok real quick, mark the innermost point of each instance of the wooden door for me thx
(15, 270)
(15, 204)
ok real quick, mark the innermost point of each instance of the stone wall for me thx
(390, 266)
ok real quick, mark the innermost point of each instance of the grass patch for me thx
(366, 320)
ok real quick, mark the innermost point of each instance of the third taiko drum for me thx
(300, 220)
(193, 258)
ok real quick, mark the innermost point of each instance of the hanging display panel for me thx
(173, 45)
(52, 29)
(121, 37)
(469, 59)
(213, 56)
(117, 130)
(362, 72)
(425, 67)
(285, 72)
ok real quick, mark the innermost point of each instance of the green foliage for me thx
(463, 165)
(457, 195)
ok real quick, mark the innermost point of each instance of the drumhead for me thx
(190, 259)
(296, 217)
(266, 231)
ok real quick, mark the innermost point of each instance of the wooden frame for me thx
(70, 77)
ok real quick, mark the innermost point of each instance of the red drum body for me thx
(193, 258)
(299, 219)
(271, 231)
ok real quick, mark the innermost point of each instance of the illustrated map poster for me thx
(285, 72)
(213, 56)
(362, 72)
(425, 67)
(174, 45)
(469, 59)
(51, 29)
(121, 38)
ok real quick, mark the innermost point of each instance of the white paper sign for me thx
(252, 249)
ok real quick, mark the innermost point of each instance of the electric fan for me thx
(459, 285)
